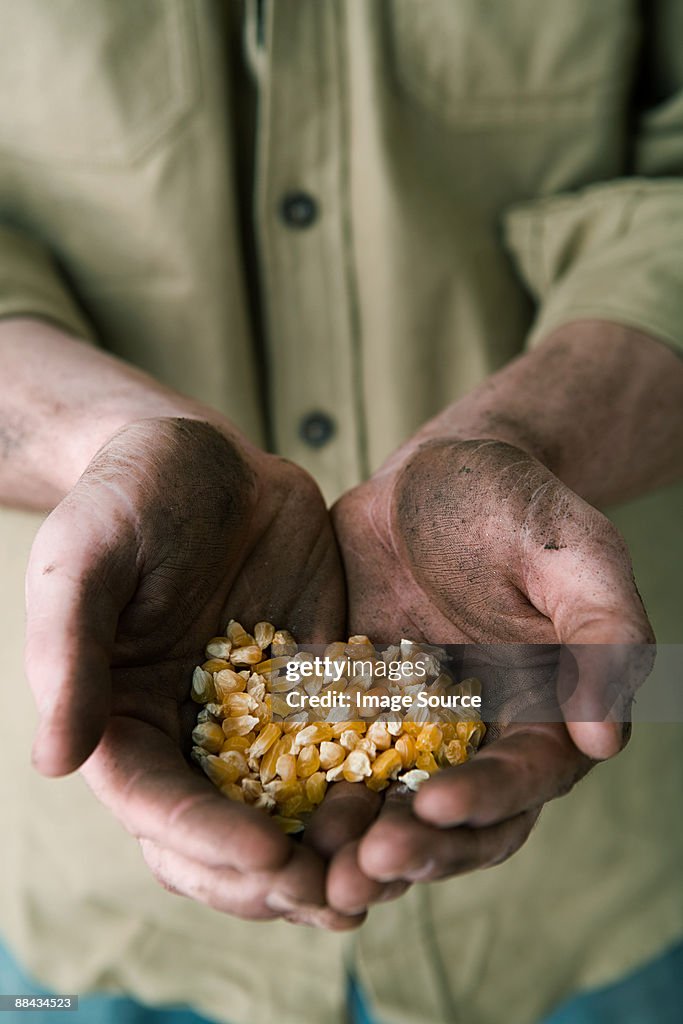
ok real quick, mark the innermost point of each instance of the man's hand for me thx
(477, 531)
(170, 529)
(477, 542)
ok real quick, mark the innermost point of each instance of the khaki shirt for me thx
(473, 175)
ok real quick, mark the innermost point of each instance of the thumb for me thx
(585, 586)
(78, 579)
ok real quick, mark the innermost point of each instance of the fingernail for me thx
(425, 868)
(281, 903)
(353, 911)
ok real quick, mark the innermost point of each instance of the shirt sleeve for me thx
(614, 250)
(31, 285)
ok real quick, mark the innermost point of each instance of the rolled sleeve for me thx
(613, 251)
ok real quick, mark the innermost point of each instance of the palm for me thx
(168, 534)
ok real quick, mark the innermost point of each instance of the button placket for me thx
(302, 243)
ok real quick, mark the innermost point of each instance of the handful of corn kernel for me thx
(257, 750)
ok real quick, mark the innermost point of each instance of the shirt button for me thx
(298, 209)
(316, 429)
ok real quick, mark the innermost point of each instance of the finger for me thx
(344, 815)
(75, 588)
(350, 890)
(223, 889)
(528, 766)
(607, 674)
(398, 846)
(299, 893)
(141, 776)
(257, 896)
(583, 583)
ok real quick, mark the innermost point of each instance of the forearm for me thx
(599, 404)
(62, 399)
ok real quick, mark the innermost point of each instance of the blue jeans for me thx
(651, 995)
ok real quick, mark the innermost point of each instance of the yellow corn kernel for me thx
(283, 644)
(203, 689)
(414, 779)
(235, 765)
(425, 762)
(357, 766)
(265, 740)
(412, 728)
(339, 727)
(299, 804)
(387, 765)
(315, 733)
(237, 634)
(218, 647)
(264, 713)
(239, 726)
(406, 747)
(218, 771)
(470, 732)
(272, 665)
(336, 773)
(282, 791)
(279, 707)
(240, 704)
(232, 791)
(294, 724)
(308, 761)
(256, 687)
(286, 767)
(455, 752)
(208, 735)
(448, 731)
(288, 825)
(368, 746)
(336, 651)
(429, 738)
(349, 739)
(268, 766)
(251, 654)
(215, 665)
(378, 733)
(331, 754)
(235, 743)
(228, 682)
(263, 634)
(252, 790)
(316, 787)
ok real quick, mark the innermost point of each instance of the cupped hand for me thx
(172, 527)
(476, 542)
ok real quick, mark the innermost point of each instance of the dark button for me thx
(298, 209)
(316, 429)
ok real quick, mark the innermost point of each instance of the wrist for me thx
(67, 399)
(599, 404)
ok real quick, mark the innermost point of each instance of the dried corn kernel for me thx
(203, 689)
(227, 682)
(331, 754)
(250, 654)
(208, 735)
(284, 767)
(308, 761)
(218, 647)
(357, 766)
(316, 787)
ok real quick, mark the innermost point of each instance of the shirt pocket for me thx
(94, 82)
(488, 62)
